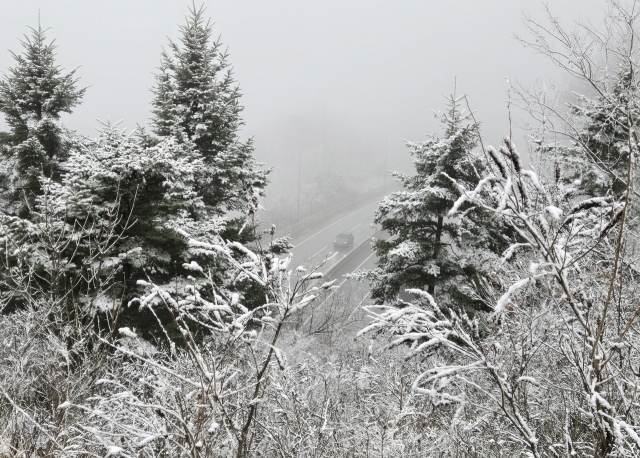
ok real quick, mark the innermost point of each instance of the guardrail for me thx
(290, 230)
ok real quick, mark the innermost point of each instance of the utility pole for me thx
(299, 175)
(300, 172)
(386, 151)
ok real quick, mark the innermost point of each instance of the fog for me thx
(331, 88)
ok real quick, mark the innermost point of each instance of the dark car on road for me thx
(343, 240)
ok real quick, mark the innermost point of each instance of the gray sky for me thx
(348, 69)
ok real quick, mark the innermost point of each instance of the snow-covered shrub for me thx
(552, 367)
(201, 393)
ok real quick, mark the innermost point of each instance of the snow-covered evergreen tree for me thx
(426, 249)
(545, 364)
(597, 156)
(33, 95)
(146, 191)
(196, 99)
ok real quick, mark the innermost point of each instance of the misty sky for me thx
(352, 70)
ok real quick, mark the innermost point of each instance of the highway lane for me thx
(350, 317)
(361, 257)
(315, 244)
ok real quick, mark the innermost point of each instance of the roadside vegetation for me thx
(143, 312)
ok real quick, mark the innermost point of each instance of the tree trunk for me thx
(436, 250)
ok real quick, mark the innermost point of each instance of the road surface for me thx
(339, 311)
(315, 244)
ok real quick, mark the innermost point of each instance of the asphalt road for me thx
(315, 244)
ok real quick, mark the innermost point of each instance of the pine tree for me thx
(134, 197)
(33, 95)
(596, 161)
(196, 99)
(425, 250)
(197, 102)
